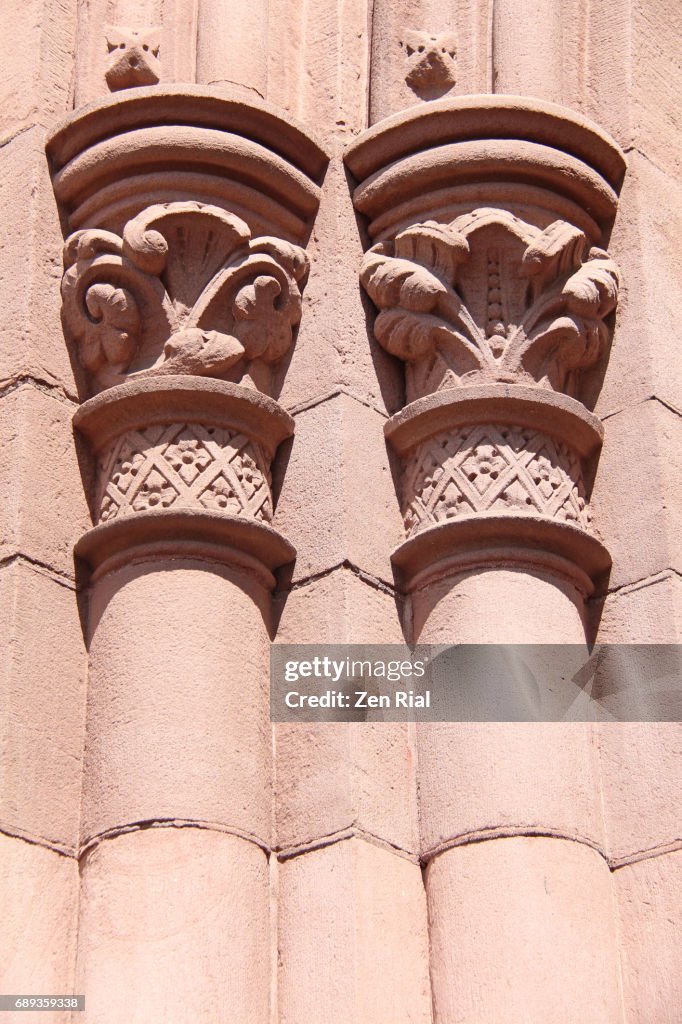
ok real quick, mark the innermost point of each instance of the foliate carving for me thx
(133, 57)
(185, 290)
(488, 298)
(431, 63)
(492, 469)
(184, 465)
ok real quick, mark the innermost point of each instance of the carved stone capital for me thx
(186, 213)
(184, 290)
(493, 286)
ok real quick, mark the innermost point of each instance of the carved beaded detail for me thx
(188, 466)
(493, 469)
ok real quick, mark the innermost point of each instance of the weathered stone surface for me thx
(377, 762)
(636, 498)
(541, 61)
(650, 922)
(233, 50)
(501, 778)
(173, 918)
(45, 509)
(342, 606)
(39, 898)
(331, 96)
(645, 359)
(655, 33)
(178, 724)
(339, 777)
(530, 607)
(35, 79)
(339, 461)
(31, 336)
(533, 924)
(332, 351)
(605, 85)
(648, 612)
(44, 664)
(358, 913)
(641, 771)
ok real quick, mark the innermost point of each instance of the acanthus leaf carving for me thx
(185, 290)
(105, 300)
(490, 297)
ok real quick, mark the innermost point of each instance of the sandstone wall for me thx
(165, 849)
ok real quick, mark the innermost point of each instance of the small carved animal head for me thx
(133, 57)
(432, 66)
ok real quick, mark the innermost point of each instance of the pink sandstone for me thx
(335, 323)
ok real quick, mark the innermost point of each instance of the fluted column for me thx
(181, 296)
(492, 284)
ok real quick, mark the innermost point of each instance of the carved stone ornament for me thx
(133, 57)
(185, 290)
(431, 63)
(183, 467)
(187, 213)
(492, 285)
(488, 298)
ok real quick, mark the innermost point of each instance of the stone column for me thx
(528, 47)
(489, 217)
(181, 294)
(232, 45)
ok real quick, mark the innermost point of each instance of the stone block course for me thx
(650, 921)
(39, 896)
(357, 913)
(339, 461)
(636, 497)
(31, 336)
(44, 667)
(45, 509)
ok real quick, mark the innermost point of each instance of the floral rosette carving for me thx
(185, 290)
(490, 298)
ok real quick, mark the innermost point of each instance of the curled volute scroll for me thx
(489, 298)
(185, 290)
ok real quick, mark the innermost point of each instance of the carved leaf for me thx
(435, 246)
(206, 296)
(564, 329)
(565, 344)
(115, 310)
(204, 353)
(263, 330)
(451, 317)
(410, 336)
(292, 258)
(593, 290)
(557, 251)
(391, 282)
(103, 297)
